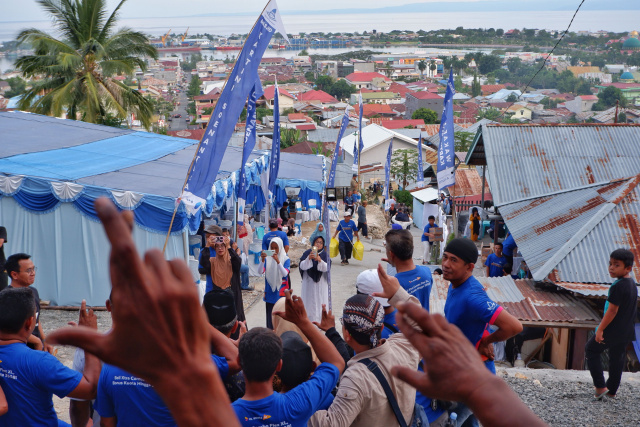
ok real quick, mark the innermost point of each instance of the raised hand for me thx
(327, 321)
(294, 309)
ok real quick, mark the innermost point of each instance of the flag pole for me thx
(195, 154)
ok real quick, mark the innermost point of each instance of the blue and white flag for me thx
(387, 171)
(359, 144)
(420, 170)
(336, 151)
(249, 143)
(446, 149)
(274, 161)
(207, 160)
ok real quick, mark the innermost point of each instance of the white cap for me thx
(347, 212)
(368, 282)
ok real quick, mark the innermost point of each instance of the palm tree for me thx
(422, 66)
(75, 71)
(433, 67)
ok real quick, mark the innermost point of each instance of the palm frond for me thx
(110, 23)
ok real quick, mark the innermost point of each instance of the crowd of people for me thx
(172, 358)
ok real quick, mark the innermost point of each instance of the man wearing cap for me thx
(361, 400)
(346, 228)
(368, 283)
(274, 232)
(469, 307)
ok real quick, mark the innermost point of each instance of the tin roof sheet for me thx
(529, 302)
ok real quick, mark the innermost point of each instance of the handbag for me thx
(419, 418)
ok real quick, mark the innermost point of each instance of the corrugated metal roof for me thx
(530, 303)
(570, 195)
(535, 160)
(469, 183)
(587, 289)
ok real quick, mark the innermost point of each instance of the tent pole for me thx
(195, 154)
(484, 178)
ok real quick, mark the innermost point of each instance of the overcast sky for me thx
(29, 10)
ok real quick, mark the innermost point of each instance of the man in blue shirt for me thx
(30, 378)
(348, 202)
(274, 232)
(495, 262)
(345, 230)
(426, 244)
(469, 307)
(261, 357)
(508, 247)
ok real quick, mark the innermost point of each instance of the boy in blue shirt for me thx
(274, 232)
(260, 355)
(469, 307)
(345, 230)
(29, 378)
(426, 244)
(616, 328)
(495, 262)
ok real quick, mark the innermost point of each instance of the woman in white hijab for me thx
(276, 265)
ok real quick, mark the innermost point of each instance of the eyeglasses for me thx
(31, 270)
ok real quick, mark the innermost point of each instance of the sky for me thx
(29, 10)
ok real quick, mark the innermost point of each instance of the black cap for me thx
(297, 361)
(220, 307)
(464, 249)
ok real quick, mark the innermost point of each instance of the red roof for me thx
(489, 89)
(398, 88)
(401, 124)
(425, 95)
(588, 97)
(196, 134)
(317, 95)
(622, 85)
(297, 117)
(307, 126)
(269, 91)
(213, 95)
(369, 110)
(365, 77)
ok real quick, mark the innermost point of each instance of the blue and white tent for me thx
(51, 172)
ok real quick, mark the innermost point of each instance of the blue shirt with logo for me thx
(29, 379)
(417, 282)
(293, 408)
(426, 230)
(346, 230)
(496, 265)
(469, 308)
(134, 402)
(266, 240)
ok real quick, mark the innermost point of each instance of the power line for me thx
(547, 58)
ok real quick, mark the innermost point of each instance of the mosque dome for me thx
(631, 43)
(626, 76)
(633, 33)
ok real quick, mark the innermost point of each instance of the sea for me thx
(618, 21)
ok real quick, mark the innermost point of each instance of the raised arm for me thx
(296, 314)
(164, 340)
(89, 384)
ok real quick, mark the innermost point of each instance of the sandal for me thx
(601, 397)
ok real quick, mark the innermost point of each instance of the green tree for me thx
(489, 63)
(194, 86)
(499, 32)
(514, 64)
(319, 149)
(512, 97)
(289, 137)
(18, 87)
(433, 67)
(427, 115)
(422, 66)
(324, 82)
(622, 117)
(310, 76)
(75, 72)
(463, 140)
(341, 89)
(490, 113)
(608, 98)
(476, 88)
(404, 165)
(303, 52)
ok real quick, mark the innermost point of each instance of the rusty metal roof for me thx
(569, 194)
(469, 183)
(586, 289)
(530, 303)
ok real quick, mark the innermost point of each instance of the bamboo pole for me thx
(195, 154)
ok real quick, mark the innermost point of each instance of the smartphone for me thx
(269, 252)
(315, 251)
(218, 239)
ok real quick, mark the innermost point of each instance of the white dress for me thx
(314, 294)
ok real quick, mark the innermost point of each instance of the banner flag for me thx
(210, 151)
(249, 144)
(387, 171)
(336, 151)
(359, 144)
(446, 172)
(420, 170)
(274, 161)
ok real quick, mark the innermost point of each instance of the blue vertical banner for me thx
(387, 171)
(420, 169)
(336, 151)
(206, 163)
(446, 172)
(274, 161)
(249, 144)
(359, 144)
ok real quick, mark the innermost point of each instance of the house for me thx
(400, 124)
(376, 141)
(207, 100)
(581, 104)
(416, 100)
(519, 112)
(377, 97)
(368, 80)
(630, 91)
(568, 199)
(285, 100)
(377, 110)
(491, 89)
